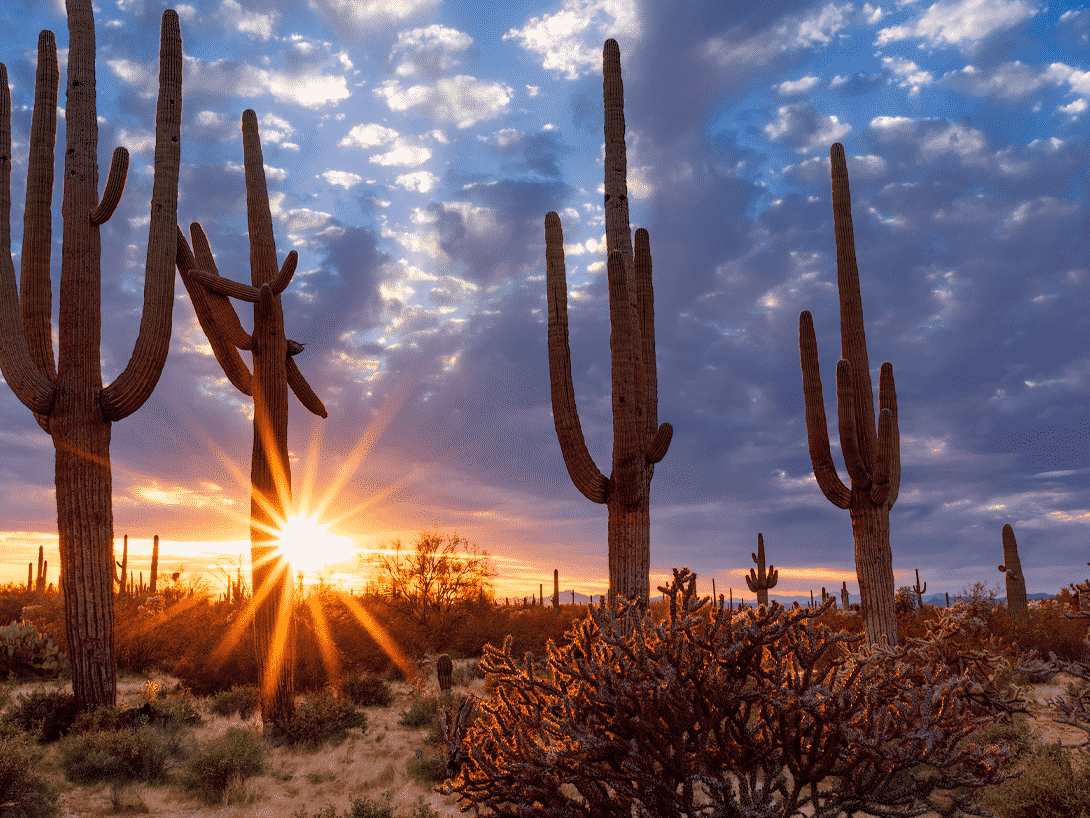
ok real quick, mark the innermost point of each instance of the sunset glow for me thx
(311, 547)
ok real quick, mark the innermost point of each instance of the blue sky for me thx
(412, 150)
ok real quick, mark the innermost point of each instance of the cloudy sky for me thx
(413, 148)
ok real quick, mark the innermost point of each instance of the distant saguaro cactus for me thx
(154, 564)
(1012, 572)
(638, 441)
(874, 462)
(444, 667)
(760, 581)
(66, 394)
(122, 578)
(556, 589)
(844, 595)
(919, 591)
(274, 370)
(43, 569)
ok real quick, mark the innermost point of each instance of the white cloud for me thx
(806, 127)
(461, 100)
(310, 88)
(799, 86)
(342, 178)
(434, 35)
(933, 137)
(141, 140)
(509, 136)
(420, 181)
(368, 136)
(957, 22)
(304, 220)
(1075, 109)
(429, 50)
(362, 14)
(818, 28)
(403, 155)
(254, 25)
(913, 77)
(276, 174)
(274, 129)
(562, 38)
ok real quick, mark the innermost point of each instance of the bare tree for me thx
(431, 582)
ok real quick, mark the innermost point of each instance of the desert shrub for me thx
(23, 792)
(1052, 787)
(366, 689)
(322, 717)
(421, 713)
(633, 711)
(44, 714)
(114, 755)
(428, 770)
(241, 699)
(173, 709)
(27, 653)
(223, 762)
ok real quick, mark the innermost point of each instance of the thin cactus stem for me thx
(274, 373)
(638, 440)
(872, 458)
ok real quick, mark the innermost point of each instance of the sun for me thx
(309, 545)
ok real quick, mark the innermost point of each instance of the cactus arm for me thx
(303, 391)
(849, 428)
(34, 280)
(283, 278)
(26, 380)
(115, 186)
(226, 287)
(887, 400)
(581, 468)
(263, 266)
(853, 337)
(645, 298)
(771, 577)
(628, 430)
(224, 313)
(135, 383)
(660, 443)
(879, 490)
(817, 430)
(618, 236)
(215, 319)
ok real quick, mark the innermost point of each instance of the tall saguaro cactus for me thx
(638, 440)
(274, 370)
(873, 460)
(67, 395)
(1012, 572)
(760, 581)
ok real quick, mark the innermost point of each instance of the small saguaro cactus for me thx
(274, 371)
(873, 460)
(444, 667)
(29, 577)
(638, 440)
(1012, 572)
(760, 581)
(122, 577)
(556, 589)
(154, 564)
(844, 595)
(65, 392)
(42, 568)
(919, 591)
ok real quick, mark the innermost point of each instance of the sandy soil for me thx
(371, 764)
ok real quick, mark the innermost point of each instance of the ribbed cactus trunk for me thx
(274, 371)
(67, 395)
(873, 460)
(1012, 572)
(638, 441)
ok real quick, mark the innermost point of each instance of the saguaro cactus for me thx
(844, 596)
(123, 577)
(274, 370)
(154, 564)
(760, 581)
(1012, 572)
(873, 461)
(919, 590)
(638, 441)
(43, 567)
(67, 395)
(556, 589)
(444, 667)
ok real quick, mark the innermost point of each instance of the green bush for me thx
(23, 793)
(241, 699)
(1051, 788)
(366, 689)
(322, 717)
(25, 652)
(234, 756)
(44, 714)
(421, 713)
(115, 756)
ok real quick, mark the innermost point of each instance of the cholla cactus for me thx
(638, 441)
(761, 581)
(873, 461)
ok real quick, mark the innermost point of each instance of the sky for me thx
(412, 150)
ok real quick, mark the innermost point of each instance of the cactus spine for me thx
(919, 591)
(67, 395)
(638, 441)
(760, 581)
(444, 667)
(1012, 572)
(274, 370)
(873, 461)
